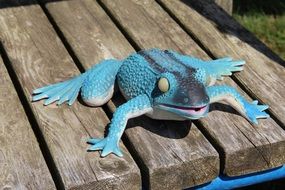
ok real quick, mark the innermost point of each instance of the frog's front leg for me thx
(249, 110)
(133, 108)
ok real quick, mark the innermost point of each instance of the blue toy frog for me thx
(162, 84)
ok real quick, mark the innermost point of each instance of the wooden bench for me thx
(44, 147)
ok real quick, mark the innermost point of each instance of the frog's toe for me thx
(262, 107)
(97, 144)
(255, 111)
(107, 145)
(111, 148)
(226, 66)
(238, 63)
(118, 152)
(257, 115)
(94, 140)
(95, 147)
(262, 115)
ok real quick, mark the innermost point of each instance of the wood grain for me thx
(22, 165)
(39, 58)
(248, 148)
(264, 73)
(171, 155)
(243, 148)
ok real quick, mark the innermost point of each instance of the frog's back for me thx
(162, 61)
(135, 76)
(140, 71)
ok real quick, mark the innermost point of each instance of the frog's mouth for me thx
(193, 112)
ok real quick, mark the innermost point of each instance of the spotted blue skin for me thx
(190, 87)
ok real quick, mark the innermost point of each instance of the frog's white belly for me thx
(164, 115)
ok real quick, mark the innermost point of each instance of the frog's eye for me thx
(163, 84)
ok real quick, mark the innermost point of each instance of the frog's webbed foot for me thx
(225, 67)
(254, 111)
(133, 108)
(96, 86)
(219, 68)
(107, 145)
(249, 110)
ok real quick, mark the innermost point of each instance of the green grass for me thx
(266, 19)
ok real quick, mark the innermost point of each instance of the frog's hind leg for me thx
(100, 97)
(96, 86)
(219, 68)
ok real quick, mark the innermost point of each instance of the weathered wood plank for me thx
(172, 155)
(247, 148)
(244, 148)
(39, 58)
(22, 165)
(264, 73)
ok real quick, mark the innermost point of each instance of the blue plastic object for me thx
(224, 182)
(162, 84)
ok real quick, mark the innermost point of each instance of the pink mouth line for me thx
(192, 111)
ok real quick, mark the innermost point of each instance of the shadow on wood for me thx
(171, 130)
(224, 108)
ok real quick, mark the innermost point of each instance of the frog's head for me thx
(184, 96)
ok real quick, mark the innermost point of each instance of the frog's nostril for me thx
(186, 100)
